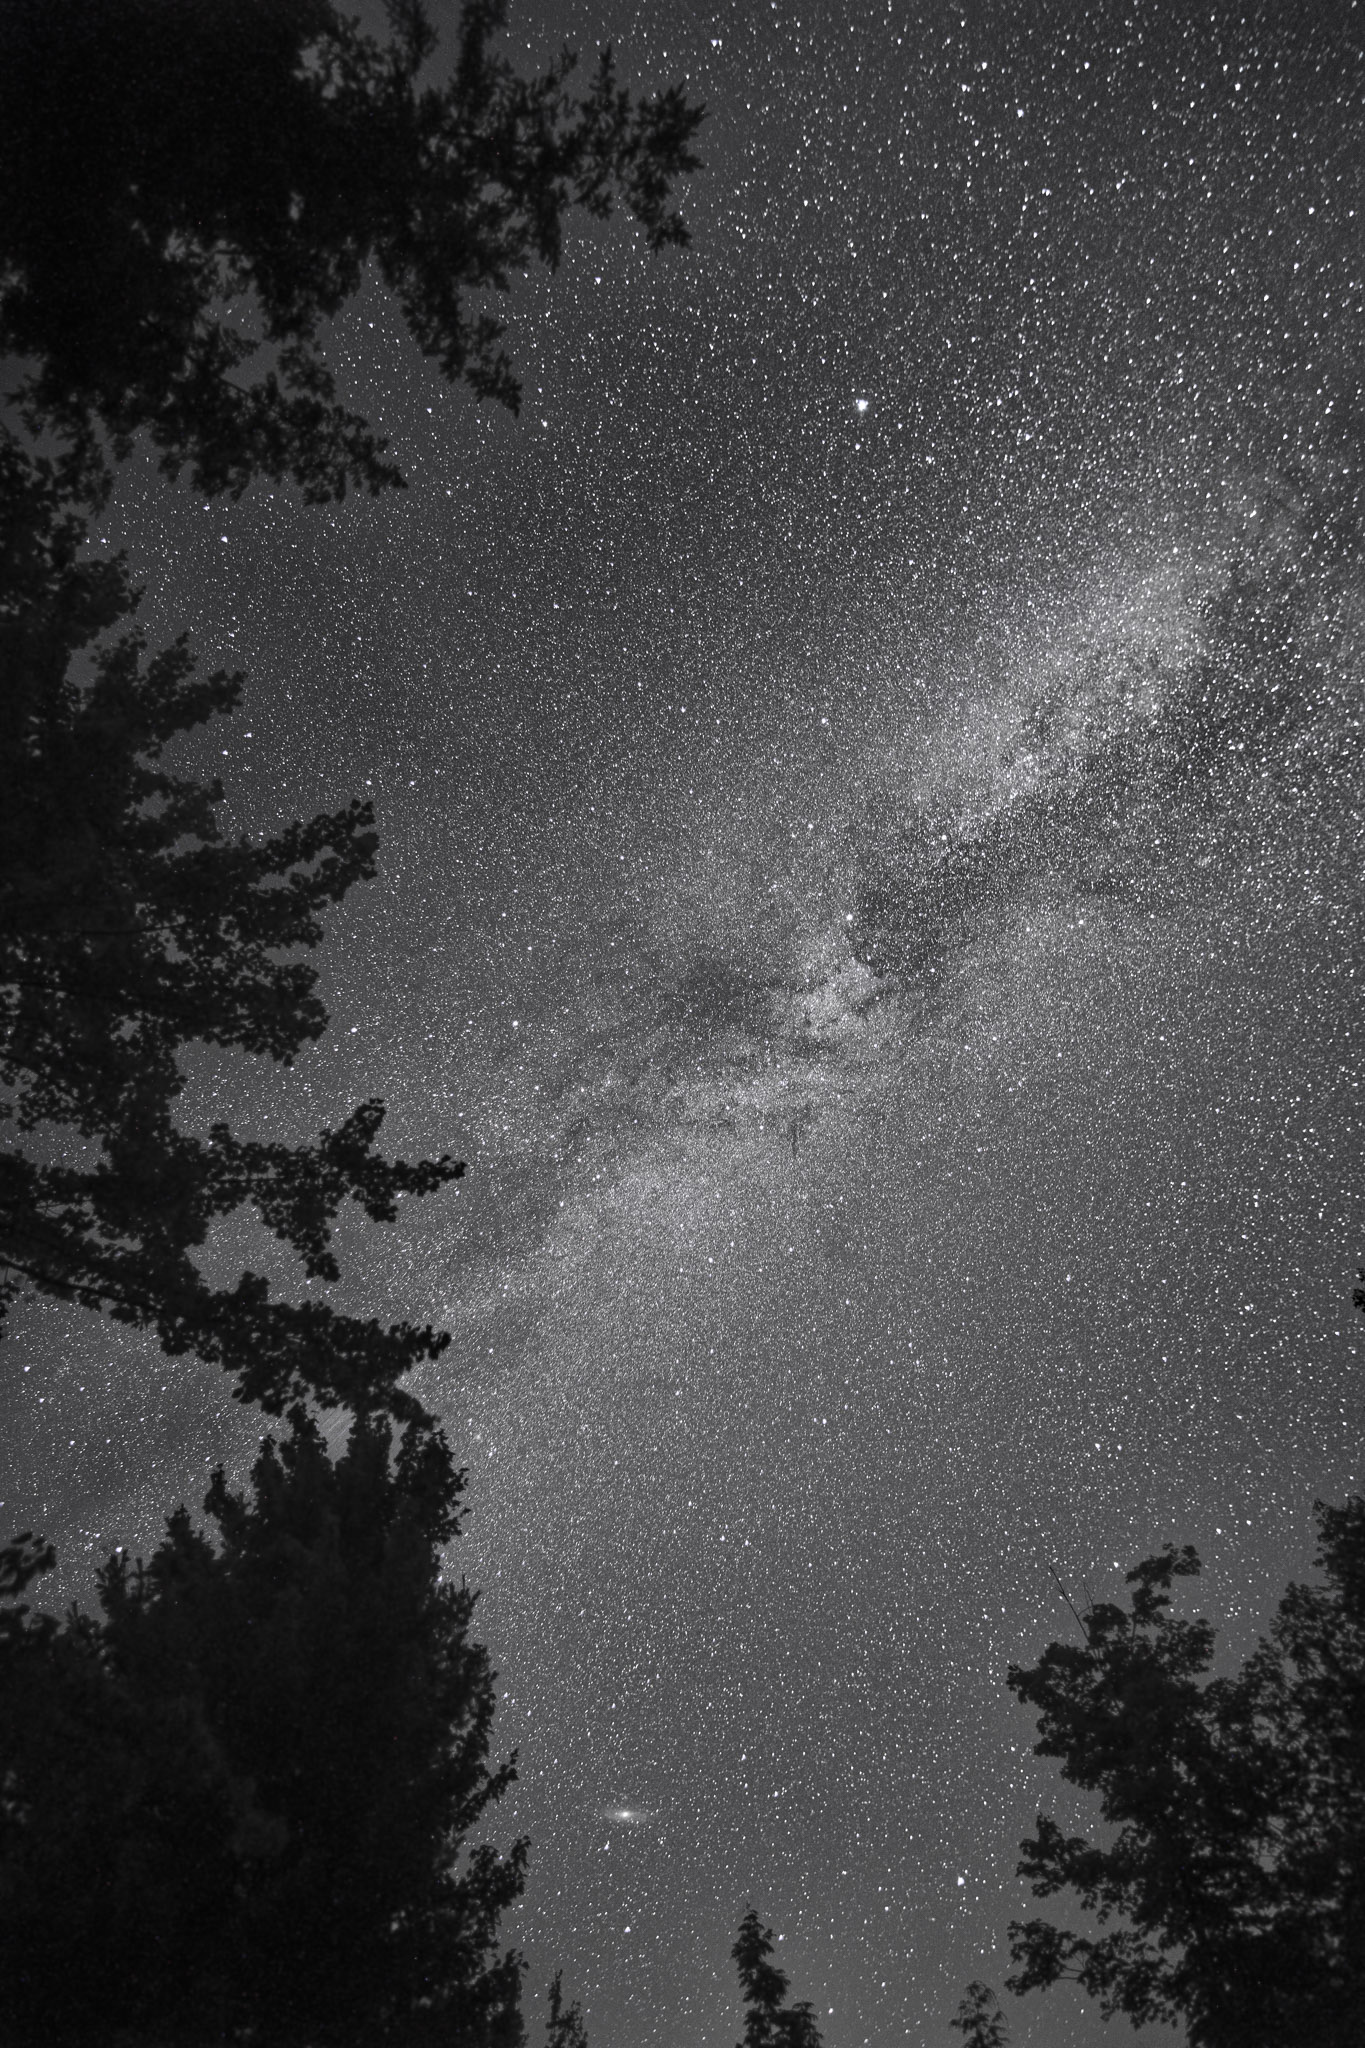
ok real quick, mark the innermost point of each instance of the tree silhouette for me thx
(564, 2027)
(187, 180)
(238, 1804)
(979, 2019)
(1236, 1868)
(129, 929)
(768, 2023)
(161, 157)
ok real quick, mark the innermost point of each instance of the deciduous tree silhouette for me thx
(979, 2019)
(130, 927)
(184, 180)
(768, 2023)
(1236, 1869)
(239, 1804)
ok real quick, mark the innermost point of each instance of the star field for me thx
(888, 955)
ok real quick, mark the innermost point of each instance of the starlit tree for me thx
(245, 1801)
(193, 189)
(132, 927)
(1229, 1888)
(979, 2019)
(768, 2022)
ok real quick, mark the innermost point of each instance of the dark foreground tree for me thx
(242, 1797)
(979, 2019)
(564, 2025)
(1231, 1892)
(131, 928)
(184, 180)
(768, 2023)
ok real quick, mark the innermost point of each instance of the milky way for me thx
(869, 769)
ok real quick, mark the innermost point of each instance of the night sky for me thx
(912, 1105)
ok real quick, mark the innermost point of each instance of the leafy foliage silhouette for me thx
(979, 2019)
(187, 181)
(1236, 1867)
(768, 2023)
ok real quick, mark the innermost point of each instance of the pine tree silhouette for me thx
(248, 1794)
(171, 167)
